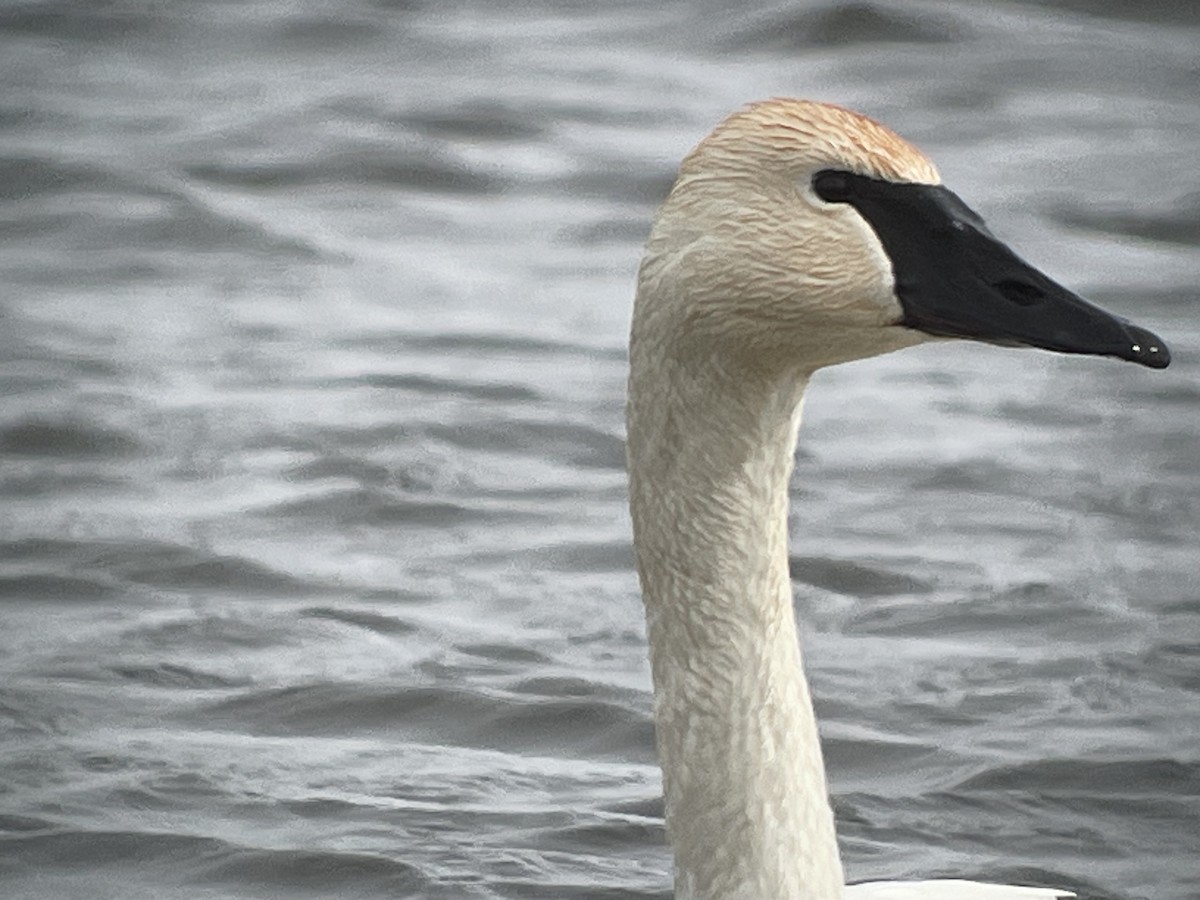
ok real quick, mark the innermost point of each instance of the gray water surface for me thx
(315, 568)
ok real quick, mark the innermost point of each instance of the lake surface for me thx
(315, 568)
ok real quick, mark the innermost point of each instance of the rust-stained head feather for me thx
(802, 135)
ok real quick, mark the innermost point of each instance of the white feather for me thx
(951, 889)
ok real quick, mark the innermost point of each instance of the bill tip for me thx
(1148, 350)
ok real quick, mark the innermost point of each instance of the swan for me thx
(797, 235)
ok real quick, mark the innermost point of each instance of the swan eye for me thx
(831, 186)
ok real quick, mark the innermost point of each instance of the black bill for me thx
(955, 279)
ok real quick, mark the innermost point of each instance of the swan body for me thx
(797, 235)
(947, 889)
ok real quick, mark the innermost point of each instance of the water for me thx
(314, 557)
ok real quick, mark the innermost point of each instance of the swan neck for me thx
(710, 457)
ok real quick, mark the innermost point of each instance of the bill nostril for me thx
(1020, 292)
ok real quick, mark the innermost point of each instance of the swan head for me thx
(800, 234)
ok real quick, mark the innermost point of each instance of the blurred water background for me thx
(315, 573)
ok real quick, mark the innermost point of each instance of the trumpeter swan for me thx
(797, 235)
